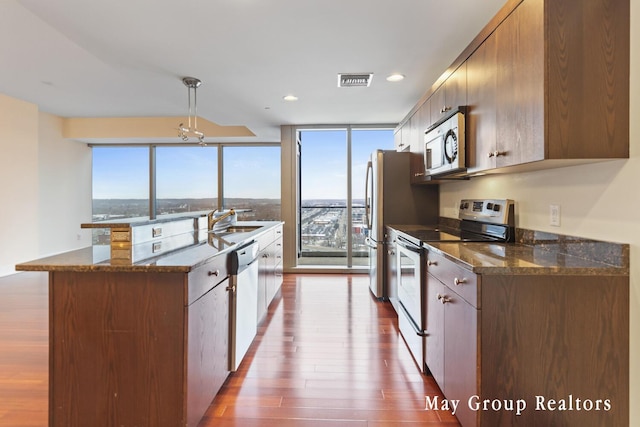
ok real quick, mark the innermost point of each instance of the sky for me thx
(324, 161)
(250, 172)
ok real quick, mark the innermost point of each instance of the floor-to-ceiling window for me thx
(186, 179)
(120, 182)
(251, 177)
(155, 180)
(332, 166)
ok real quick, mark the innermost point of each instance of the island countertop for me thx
(205, 246)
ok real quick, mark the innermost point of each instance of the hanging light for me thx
(184, 132)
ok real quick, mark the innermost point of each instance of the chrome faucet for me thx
(211, 221)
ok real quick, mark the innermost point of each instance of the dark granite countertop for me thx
(144, 220)
(534, 252)
(516, 258)
(98, 257)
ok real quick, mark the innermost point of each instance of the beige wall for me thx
(18, 182)
(64, 175)
(600, 201)
(45, 189)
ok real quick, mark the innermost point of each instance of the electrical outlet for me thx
(554, 215)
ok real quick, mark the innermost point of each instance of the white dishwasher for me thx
(243, 301)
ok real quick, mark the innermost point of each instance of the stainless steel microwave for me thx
(444, 145)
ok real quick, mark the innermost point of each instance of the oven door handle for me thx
(408, 245)
(413, 324)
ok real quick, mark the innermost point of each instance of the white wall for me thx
(45, 186)
(18, 182)
(64, 189)
(599, 201)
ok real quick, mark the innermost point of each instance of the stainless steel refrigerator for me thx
(392, 200)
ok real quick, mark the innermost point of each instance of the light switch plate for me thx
(554, 215)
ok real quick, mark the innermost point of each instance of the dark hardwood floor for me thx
(328, 354)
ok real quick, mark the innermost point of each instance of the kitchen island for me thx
(530, 333)
(140, 343)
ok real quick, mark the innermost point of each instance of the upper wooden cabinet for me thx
(450, 95)
(560, 82)
(546, 85)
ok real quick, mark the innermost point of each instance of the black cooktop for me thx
(438, 235)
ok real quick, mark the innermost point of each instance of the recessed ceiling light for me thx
(395, 77)
(290, 98)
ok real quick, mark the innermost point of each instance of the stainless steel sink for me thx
(236, 229)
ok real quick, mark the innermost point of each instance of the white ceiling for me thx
(117, 58)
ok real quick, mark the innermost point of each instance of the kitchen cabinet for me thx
(481, 117)
(520, 68)
(270, 268)
(450, 95)
(452, 326)
(391, 237)
(546, 84)
(420, 121)
(208, 349)
(554, 76)
(137, 348)
(532, 337)
(397, 141)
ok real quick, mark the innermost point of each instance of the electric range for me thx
(480, 220)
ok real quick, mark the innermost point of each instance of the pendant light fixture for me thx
(192, 84)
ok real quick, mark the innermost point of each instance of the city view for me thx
(323, 227)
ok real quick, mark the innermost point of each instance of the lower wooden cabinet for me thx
(207, 350)
(270, 268)
(452, 345)
(547, 341)
(131, 349)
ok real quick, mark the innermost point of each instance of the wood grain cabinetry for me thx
(546, 84)
(450, 95)
(529, 337)
(452, 327)
(136, 348)
(270, 268)
(557, 74)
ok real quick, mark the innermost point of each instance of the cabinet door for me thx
(520, 86)
(277, 277)
(397, 141)
(263, 273)
(207, 350)
(456, 89)
(461, 355)
(435, 340)
(450, 95)
(421, 123)
(438, 104)
(481, 103)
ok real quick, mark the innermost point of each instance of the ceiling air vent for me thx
(354, 80)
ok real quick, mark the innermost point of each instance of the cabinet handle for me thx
(458, 282)
(265, 255)
(214, 273)
(418, 174)
(445, 109)
(443, 299)
(430, 263)
(497, 153)
(391, 252)
(231, 288)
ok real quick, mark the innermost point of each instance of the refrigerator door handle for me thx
(370, 243)
(367, 201)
